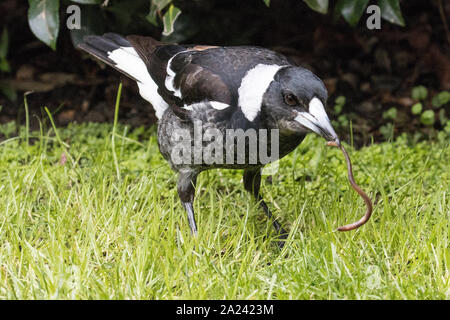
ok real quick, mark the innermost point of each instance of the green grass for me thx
(107, 224)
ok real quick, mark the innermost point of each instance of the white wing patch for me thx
(196, 105)
(205, 104)
(219, 105)
(127, 59)
(170, 78)
(253, 87)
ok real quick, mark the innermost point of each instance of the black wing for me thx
(186, 78)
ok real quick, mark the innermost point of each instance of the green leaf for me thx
(337, 108)
(417, 108)
(442, 118)
(339, 104)
(267, 2)
(340, 100)
(352, 10)
(87, 1)
(390, 11)
(343, 120)
(161, 4)
(4, 43)
(320, 6)
(390, 114)
(427, 117)
(387, 131)
(440, 99)
(447, 127)
(43, 18)
(4, 65)
(8, 91)
(169, 19)
(152, 16)
(156, 6)
(419, 93)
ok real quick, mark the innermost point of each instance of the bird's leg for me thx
(252, 183)
(186, 191)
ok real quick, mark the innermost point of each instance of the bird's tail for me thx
(118, 52)
(130, 56)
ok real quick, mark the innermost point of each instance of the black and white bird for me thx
(223, 88)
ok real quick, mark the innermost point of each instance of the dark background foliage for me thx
(377, 79)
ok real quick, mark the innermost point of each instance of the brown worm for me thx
(363, 195)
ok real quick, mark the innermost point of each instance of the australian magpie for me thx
(222, 92)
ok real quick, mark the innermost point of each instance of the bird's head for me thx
(295, 103)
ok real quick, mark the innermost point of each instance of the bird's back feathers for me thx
(192, 78)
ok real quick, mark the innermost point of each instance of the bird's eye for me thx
(290, 99)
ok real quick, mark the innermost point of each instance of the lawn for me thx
(88, 214)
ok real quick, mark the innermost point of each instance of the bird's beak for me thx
(317, 120)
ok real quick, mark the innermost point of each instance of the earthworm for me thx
(363, 195)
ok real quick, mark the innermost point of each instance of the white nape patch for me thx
(205, 104)
(170, 78)
(127, 59)
(317, 110)
(253, 87)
